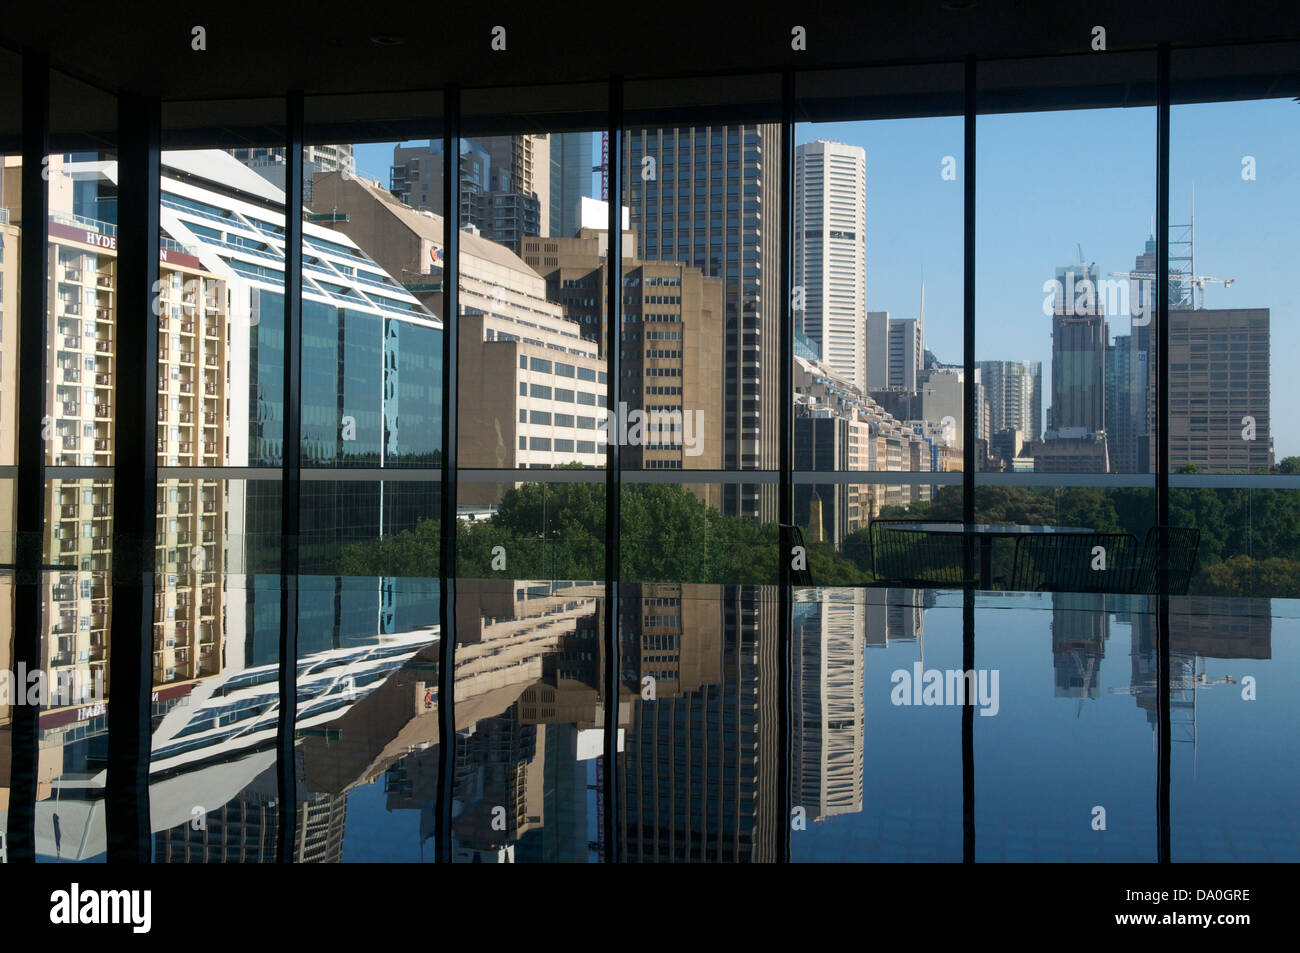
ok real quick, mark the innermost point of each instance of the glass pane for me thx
(1064, 287)
(1231, 307)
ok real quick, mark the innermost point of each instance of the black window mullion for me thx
(785, 391)
(613, 463)
(30, 490)
(135, 490)
(1163, 686)
(291, 486)
(450, 485)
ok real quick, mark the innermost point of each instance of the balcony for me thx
(103, 380)
(104, 347)
(101, 410)
(101, 443)
(104, 281)
(187, 387)
(70, 442)
(71, 410)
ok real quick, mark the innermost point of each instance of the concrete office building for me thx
(1219, 412)
(536, 384)
(830, 259)
(714, 206)
(671, 347)
(895, 351)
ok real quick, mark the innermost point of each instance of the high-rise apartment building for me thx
(504, 184)
(268, 162)
(830, 261)
(713, 205)
(1015, 395)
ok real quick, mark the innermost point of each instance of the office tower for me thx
(828, 717)
(671, 343)
(830, 216)
(1219, 415)
(1121, 408)
(727, 229)
(570, 181)
(1078, 352)
(895, 351)
(1015, 396)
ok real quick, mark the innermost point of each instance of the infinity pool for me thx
(884, 749)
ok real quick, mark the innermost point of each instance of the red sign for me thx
(86, 236)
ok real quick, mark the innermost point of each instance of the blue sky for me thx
(1050, 181)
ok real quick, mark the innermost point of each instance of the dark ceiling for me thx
(261, 49)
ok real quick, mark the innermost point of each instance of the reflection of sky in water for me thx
(375, 834)
(1072, 735)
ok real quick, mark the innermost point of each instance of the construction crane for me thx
(1175, 684)
(1198, 282)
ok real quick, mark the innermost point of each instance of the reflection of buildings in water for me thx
(1080, 629)
(1200, 628)
(244, 828)
(828, 658)
(895, 614)
(213, 737)
(520, 778)
(700, 769)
